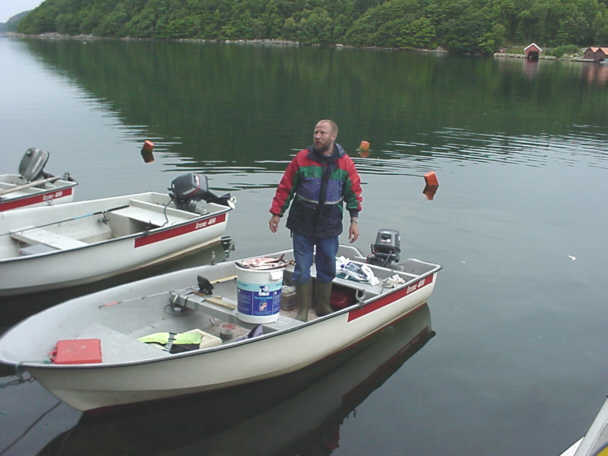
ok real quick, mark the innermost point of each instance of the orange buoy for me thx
(146, 151)
(431, 179)
(429, 191)
(363, 149)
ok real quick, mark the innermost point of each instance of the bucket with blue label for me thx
(259, 284)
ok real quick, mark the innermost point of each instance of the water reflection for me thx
(298, 413)
(217, 109)
(429, 191)
(530, 68)
(530, 150)
(595, 73)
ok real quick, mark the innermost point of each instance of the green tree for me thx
(67, 23)
(315, 27)
(290, 29)
(112, 24)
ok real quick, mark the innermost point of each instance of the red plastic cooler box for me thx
(77, 351)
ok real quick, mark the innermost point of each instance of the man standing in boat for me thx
(320, 179)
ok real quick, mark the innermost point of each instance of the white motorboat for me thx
(70, 244)
(32, 186)
(595, 440)
(108, 331)
(302, 411)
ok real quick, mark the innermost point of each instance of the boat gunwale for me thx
(41, 191)
(156, 230)
(239, 343)
(68, 184)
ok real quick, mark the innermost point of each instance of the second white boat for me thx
(32, 187)
(81, 242)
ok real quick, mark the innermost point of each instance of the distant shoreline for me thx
(278, 43)
(253, 42)
(504, 55)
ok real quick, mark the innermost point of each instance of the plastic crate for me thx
(77, 351)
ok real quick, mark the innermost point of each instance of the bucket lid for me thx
(262, 263)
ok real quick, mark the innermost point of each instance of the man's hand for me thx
(353, 231)
(273, 223)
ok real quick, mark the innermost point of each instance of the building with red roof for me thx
(597, 54)
(532, 51)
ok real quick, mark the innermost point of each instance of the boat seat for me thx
(153, 214)
(49, 238)
(282, 322)
(35, 249)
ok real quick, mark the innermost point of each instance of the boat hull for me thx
(93, 388)
(59, 192)
(132, 372)
(100, 259)
(79, 267)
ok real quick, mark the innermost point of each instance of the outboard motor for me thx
(32, 164)
(189, 189)
(386, 249)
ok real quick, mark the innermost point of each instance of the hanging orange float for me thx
(363, 149)
(146, 151)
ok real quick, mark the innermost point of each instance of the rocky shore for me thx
(522, 56)
(252, 42)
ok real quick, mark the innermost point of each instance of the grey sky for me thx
(8, 8)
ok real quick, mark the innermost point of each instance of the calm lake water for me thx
(517, 364)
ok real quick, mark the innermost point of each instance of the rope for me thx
(20, 378)
(29, 428)
(165, 212)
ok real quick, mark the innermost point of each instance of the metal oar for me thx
(31, 184)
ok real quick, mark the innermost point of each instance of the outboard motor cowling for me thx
(32, 164)
(189, 189)
(386, 249)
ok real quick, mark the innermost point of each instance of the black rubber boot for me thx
(322, 298)
(303, 300)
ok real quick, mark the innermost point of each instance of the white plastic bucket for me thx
(259, 294)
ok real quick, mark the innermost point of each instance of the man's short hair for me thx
(333, 125)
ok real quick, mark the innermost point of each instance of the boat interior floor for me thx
(122, 323)
(136, 216)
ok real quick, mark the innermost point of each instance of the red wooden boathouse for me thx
(532, 51)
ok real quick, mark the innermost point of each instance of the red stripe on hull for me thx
(177, 231)
(388, 299)
(22, 202)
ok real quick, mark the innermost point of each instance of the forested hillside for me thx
(13, 22)
(477, 26)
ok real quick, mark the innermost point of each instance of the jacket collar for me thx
(338, 152)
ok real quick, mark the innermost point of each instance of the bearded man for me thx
(320, 179)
